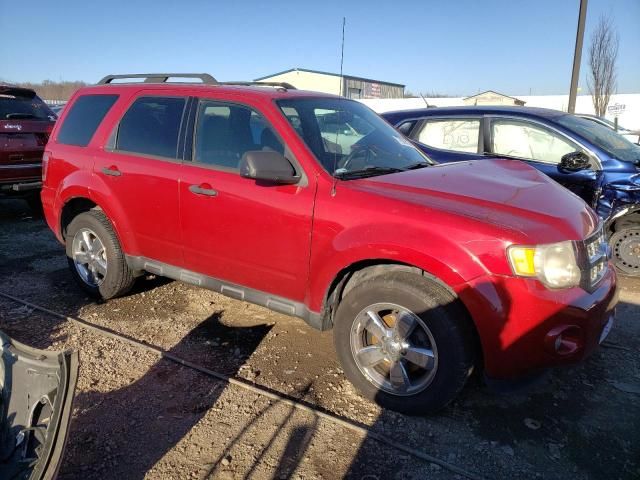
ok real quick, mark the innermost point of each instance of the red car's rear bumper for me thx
(525, 327)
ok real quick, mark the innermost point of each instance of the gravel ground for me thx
(136, 415)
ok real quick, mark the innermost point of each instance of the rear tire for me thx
(95, 257)
(419, 316)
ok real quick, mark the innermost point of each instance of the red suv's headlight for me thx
(555, 264)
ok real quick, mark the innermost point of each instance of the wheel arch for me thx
(328, 271)
(80, 204)
(74, 200)
(71, 209)
(349, 276)
(620, 216)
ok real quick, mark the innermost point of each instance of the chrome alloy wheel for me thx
(394, 349)
(89, 257)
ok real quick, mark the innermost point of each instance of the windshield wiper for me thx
(366, 172)
(22, 116)
(415, 166)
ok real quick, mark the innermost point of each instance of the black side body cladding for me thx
(272, 302)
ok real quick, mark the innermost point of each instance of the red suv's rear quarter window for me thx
(83, 118)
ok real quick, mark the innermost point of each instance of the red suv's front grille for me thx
(594, 256)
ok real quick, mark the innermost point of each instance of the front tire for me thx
(405, 342)
(95, 257)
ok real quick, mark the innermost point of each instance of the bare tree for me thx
(603, 54)
(428, 94)
(52, 90)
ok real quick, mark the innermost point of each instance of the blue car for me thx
(589, 159)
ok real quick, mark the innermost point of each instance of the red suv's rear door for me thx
(141, 169)
(235, 229)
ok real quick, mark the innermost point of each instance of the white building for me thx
(345, 85)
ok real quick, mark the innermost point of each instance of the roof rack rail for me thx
(285, 85)
(159, 77)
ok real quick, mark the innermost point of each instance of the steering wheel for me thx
(361, 147)
(355, 153)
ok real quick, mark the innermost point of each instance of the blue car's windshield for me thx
(608, 122)
(349, 139)
(611, 142)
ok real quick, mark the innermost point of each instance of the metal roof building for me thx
(345, 85)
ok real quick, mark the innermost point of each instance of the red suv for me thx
(312, 205)
(25, 124)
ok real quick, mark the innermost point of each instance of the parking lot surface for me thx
(139, 416)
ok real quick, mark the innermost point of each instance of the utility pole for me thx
(577, 56)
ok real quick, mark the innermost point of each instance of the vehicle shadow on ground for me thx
(124, 432)
(141, 422)
(296, 444)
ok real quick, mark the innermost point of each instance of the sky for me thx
(454, 47)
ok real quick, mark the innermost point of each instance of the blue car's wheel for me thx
(625, 244)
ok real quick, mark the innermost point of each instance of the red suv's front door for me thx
(141, 172)
(235, 229)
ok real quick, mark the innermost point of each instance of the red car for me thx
(25, 125)
(423, 271)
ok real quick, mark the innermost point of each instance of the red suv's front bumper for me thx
(524, 326)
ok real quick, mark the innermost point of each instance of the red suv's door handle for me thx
(203, 189)
(112, 170)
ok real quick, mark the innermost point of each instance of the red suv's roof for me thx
(247, 91)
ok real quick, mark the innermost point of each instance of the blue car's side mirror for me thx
(574, 162)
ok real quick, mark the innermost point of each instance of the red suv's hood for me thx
(507, 193)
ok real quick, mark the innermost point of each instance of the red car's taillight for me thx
(45, 163)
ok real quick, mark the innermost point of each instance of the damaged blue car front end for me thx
(619, 205)
(617, 198)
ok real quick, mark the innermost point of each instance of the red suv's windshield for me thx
(349, 139)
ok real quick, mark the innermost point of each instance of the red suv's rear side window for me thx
(83, 119)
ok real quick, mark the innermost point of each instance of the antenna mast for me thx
(335, 155)
(344, 22)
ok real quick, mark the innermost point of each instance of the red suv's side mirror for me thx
(268, 166)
